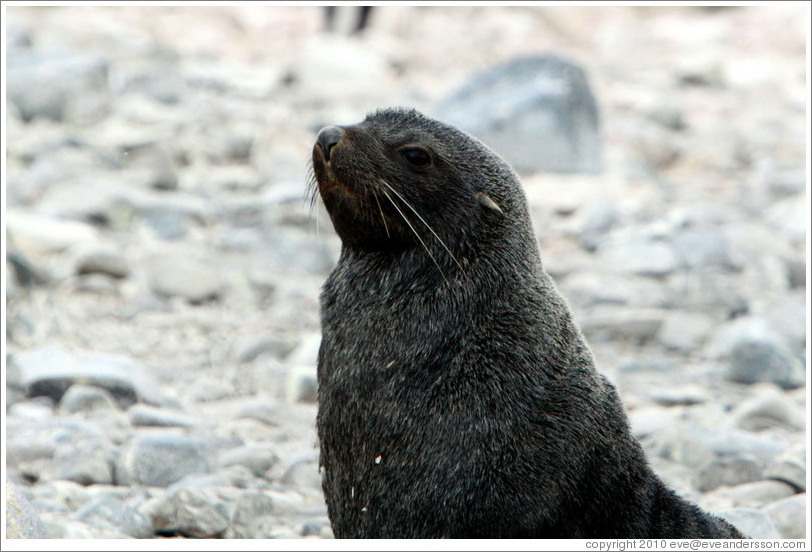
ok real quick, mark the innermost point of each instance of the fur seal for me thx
(457, 397)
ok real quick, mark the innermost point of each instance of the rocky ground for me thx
(164, 270)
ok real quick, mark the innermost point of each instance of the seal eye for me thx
(417, 157)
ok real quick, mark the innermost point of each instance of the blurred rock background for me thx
(163, 268)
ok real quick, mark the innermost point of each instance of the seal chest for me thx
(457, 397)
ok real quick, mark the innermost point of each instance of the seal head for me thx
(399, 180)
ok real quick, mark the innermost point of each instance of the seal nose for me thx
(327, 138)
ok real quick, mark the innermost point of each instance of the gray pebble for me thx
(149, 416)
(765, 361)
(727, 472)
(748, 495)
(110, 263)
(159, 460)
(88, 462)
(258, 458)
(112, 513)
(768, 410)
(254, 517)
(85, 398)
(703, 247)
(685, 331)
(60, 85)
(789, 515)
(679, 446)
(192, 512)
(184, 276)
(790, 467)
(636, 325)
(639, 256)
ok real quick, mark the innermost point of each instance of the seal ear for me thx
(489, 205)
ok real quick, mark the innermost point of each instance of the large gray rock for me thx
(159, 460)
(49, 371)
(22, 521)
(538, 112)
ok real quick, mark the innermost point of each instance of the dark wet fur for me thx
(457, 397)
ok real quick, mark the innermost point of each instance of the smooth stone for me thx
(790, 467)
(85, 398)
(639, 256)
(766, 410)
(248, 349)
(192, 512)
(110, 263)
(636, 324)
(765, 361)
(51, 370)
(257, 458)
(207, 389)
(22, 520)
(159, 460)
(789, 515)
(88, 462)
(725, 441)
(59, 84)
(315, 528)
(748, 495)
(149, 416)
(254, 517)
(152, 165)
(38, 235)
(184, 276)
(598, 221)
(678, 446)
(703, 247)
(685, 331)
(112, 513)
(727, 472)
(753, 523)
(538, 111)
(684, 395)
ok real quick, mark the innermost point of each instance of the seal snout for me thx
(328, 137)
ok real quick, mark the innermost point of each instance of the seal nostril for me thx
(329, 137)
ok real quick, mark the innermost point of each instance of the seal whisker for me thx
(380, 210)
(395, 205)
(424, 222)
